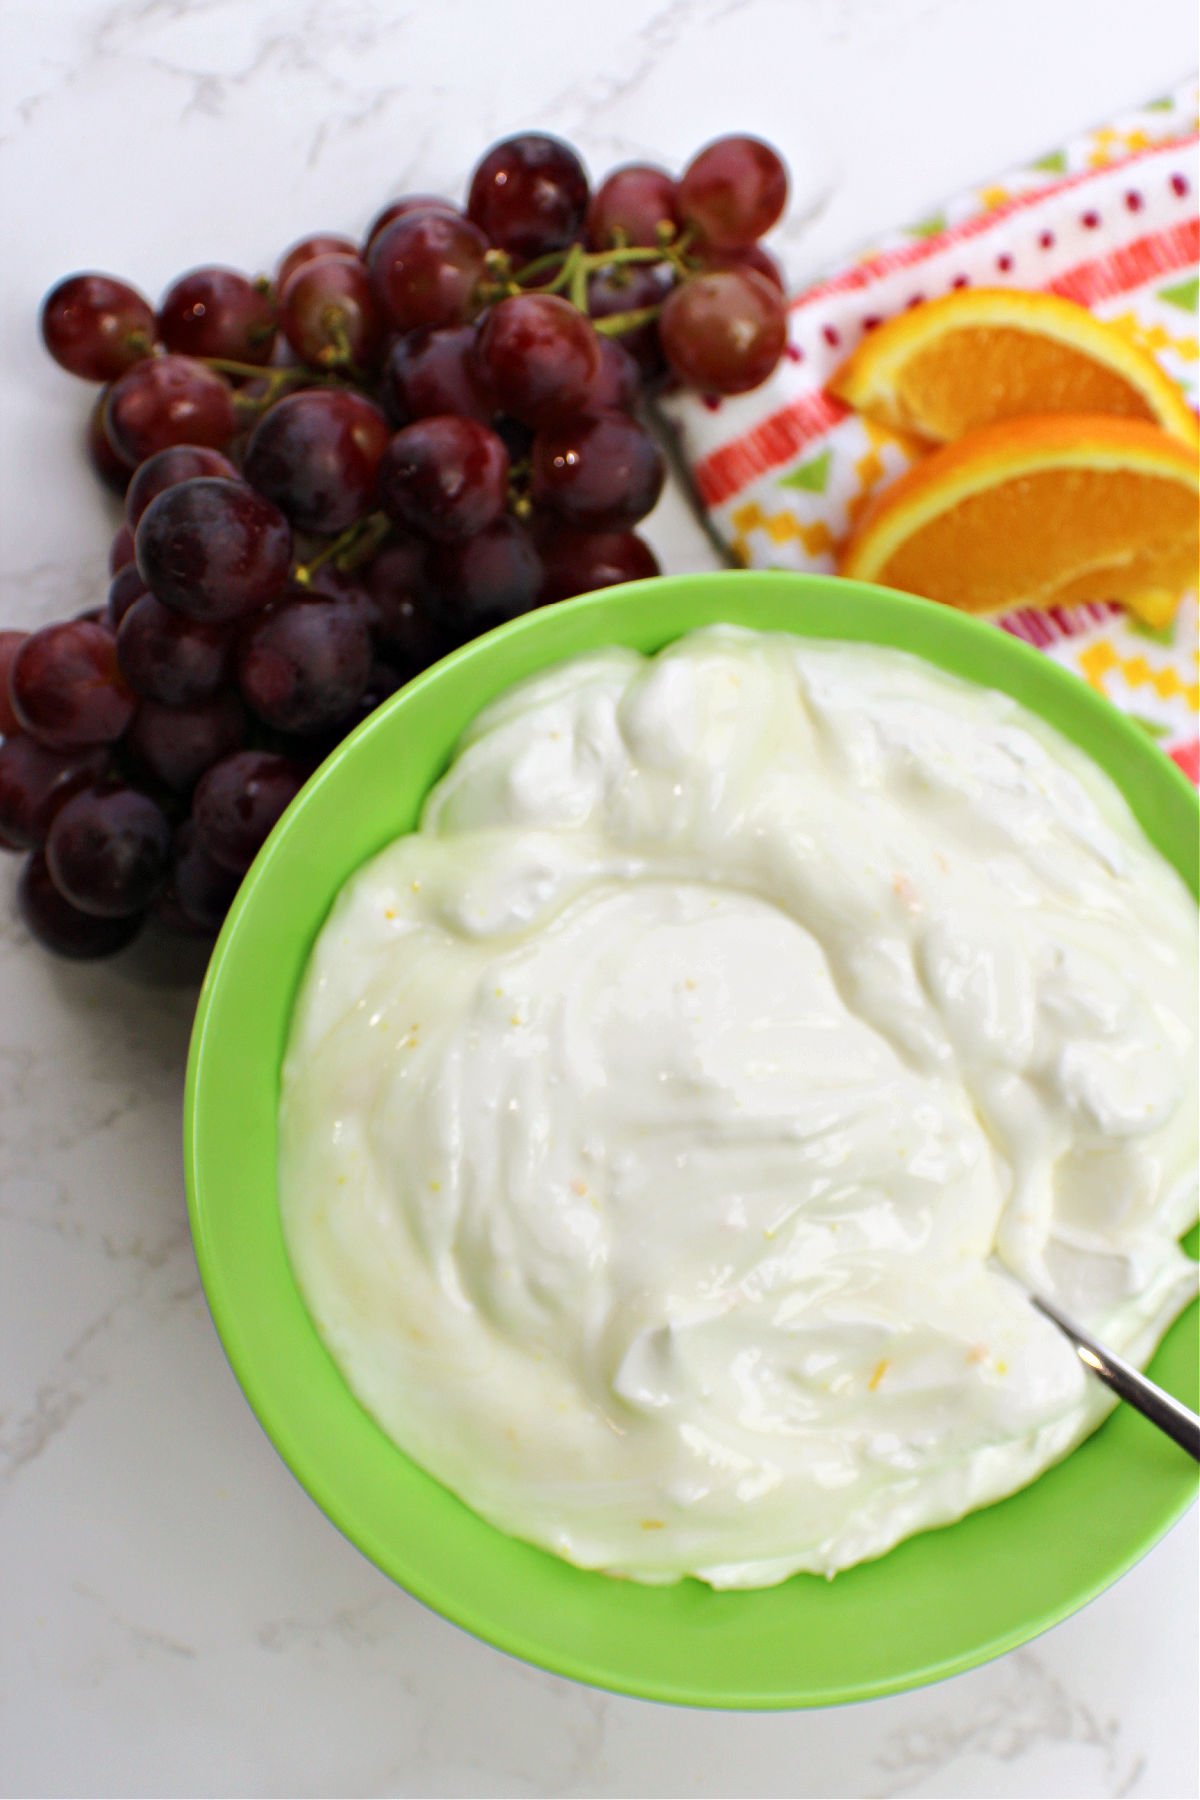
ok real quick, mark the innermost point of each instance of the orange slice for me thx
(973, 358)
(1040, 512)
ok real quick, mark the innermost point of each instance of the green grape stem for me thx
(336, 354)
(225, 365)
(616, 323)
(541, 265)
(577, 281)
(372, 532)
(348, 549)
(278, 382)
(673, 252)
(573, 266)
(569, 270)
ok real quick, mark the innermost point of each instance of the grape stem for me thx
(599, 259)
(566, 277)
(337, 354)
(278, 382)
(224, 365)
(677, 254)
(577, 280)
(372, 531)
(570, 268)
(346, 551)
(615, 323)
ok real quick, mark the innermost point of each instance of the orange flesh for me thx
(984, 373)
(1100, 534)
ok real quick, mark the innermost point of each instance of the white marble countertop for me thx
(176, 1617)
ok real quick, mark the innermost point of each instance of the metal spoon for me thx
(1170, 1415)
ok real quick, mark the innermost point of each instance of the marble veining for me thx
(1031, 1705)
(178, 1616)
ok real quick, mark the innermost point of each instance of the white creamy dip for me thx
(658, 1120)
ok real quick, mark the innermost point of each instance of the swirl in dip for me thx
(665, 1121)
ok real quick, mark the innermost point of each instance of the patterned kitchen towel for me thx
(1109, 221)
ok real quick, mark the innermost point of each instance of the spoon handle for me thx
(1161, 1408)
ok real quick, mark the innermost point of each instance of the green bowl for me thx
(940, 1602)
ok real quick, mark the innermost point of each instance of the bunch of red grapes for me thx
(333, 478)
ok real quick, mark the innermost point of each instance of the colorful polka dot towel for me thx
(1110, 221)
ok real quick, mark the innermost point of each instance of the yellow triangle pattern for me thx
(781, 528)
(1155, 338)
(1100, 659)
(1109, 144)
(784, 527)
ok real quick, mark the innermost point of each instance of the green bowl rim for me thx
(449, 1604)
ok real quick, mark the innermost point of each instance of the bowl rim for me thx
(283, 1418)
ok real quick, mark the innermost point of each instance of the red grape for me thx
(753, 257)
(35, 782)
(174, 745)
(399, 595)
(308, 249)
(487, 579)
(63, 928)
(309, 751)
(316, 455)
(425, 268)
(529, 195)
(539, 356)
(384, 681)
(66, 688)
(107, 851)
(10, 643)
(433, 371)
(599, 474)
(173, 660)
(304, 663)
(328, 313)
(577, 562)
(217, 312)
(214, 550)
(97, 615)
(121, 551)
(733, 191)
(167, 469)
(238, 802)
(112, 468)
(126, 587)
(724, 332)
(446, 478)
(630, 205)
(619, 382)
(346, 589)
(199, 892)
(97, 326)
(625, 288)
(400, 209)
(168, 400)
